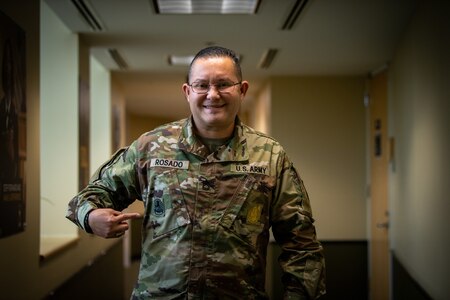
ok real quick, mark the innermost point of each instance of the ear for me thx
(244, 88)
(186, 91)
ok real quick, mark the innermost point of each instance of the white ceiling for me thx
(331, 37)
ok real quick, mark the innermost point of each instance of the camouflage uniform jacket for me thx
(207, 215)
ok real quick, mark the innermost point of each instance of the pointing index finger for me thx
(127, 216)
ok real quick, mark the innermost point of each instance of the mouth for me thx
(214, 106)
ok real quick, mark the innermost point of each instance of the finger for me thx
(122, 224)
(127, 216)
(121, 227)
(118, 234)
(118, 230)
(115, 212)
(115, 235)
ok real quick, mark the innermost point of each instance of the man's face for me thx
(214, 112)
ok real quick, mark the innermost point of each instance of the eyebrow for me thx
(217, 80)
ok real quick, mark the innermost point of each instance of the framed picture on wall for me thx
(83, 134)
(116, 128)
(13, 152)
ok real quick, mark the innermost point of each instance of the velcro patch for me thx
(169, 163)
(254, 214)
(250, 169)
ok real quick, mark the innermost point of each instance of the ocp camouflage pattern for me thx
(207, 215)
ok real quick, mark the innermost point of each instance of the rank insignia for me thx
(158, 207)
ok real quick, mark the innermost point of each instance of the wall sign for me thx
(12, 127)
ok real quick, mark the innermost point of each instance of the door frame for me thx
(378, 163)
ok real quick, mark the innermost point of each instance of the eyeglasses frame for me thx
(209, 88)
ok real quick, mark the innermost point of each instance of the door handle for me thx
(383, 225)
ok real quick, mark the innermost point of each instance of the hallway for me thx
(80, 108)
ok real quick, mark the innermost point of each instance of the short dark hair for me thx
(216, 51)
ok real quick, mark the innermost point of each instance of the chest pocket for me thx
(167, 207)
(247, 216)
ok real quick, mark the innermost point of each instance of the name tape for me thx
(169, 163)
(249, 169)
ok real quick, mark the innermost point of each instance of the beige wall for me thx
(118, 115)
(420, 123)
(58, 144)
(259, 111)
(321, 123)
(100, 114)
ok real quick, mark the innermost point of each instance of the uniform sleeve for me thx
(112, 186)
(301, 259)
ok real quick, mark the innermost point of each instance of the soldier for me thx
(212, 188)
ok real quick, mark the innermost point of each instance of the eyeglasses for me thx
(221, 87)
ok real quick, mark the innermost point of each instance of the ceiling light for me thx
(206, 6)
(175, 60)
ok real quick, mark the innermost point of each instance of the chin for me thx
(216, 121)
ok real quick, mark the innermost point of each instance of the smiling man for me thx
(215, 93)
(212, 189)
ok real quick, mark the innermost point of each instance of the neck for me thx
(215, 133)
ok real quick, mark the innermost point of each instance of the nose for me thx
(213, 92)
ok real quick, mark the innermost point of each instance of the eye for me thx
(200, 85)
(223, 85)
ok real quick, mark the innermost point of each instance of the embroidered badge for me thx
(206, 185)
(158, 207)
(254, 214)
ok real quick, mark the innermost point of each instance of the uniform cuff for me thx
(83, 215)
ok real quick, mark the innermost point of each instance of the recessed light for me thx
(176, 60)
(206, 6)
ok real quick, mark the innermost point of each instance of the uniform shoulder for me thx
(165, 130)
(254, 135)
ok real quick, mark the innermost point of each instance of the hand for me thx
(109, 223)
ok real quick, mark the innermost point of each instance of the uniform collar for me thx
(234, 150)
